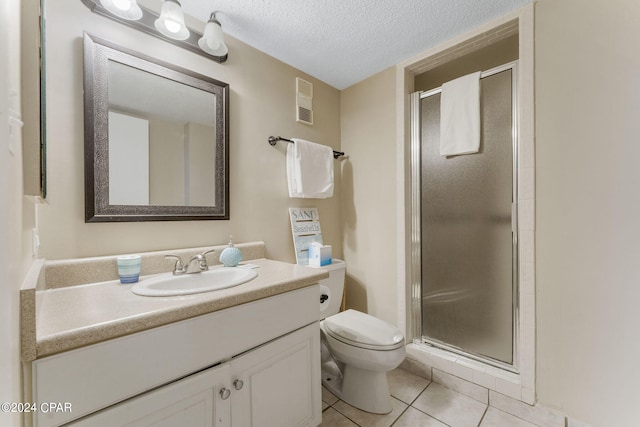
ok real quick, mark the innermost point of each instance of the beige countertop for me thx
(76, 316)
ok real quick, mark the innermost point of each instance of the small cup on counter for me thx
(129, 268)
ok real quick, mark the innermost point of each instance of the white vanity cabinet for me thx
(276, 384)
(196, 401)
(279, 384)
(255, 364)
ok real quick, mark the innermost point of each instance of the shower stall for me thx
(464, 228)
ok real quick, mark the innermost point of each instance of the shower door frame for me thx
(416, 219)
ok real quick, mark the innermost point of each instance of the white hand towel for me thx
(460, 116)
(309, 170)
(292, 180)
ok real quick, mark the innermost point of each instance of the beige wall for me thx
(13, 263)
(201, 155)
(262, 103)
(166, 162)
(369, 195)
(588, 206)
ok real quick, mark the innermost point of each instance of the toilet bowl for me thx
(357, 349)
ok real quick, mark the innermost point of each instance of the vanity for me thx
(242, 356)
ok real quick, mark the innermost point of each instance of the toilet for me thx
(357, 349)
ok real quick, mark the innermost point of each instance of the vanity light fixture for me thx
(125, 9)
(212, 40)
(167, 24)
(171, 21)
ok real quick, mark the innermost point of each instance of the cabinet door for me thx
(200, 400)
(278, 384)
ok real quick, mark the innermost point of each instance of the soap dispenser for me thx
(231, 255)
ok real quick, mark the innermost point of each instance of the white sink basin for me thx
(212, 280)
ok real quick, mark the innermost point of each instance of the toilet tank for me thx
(333, 287)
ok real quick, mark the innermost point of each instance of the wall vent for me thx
(304, 101)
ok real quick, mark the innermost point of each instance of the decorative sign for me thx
(305, 227)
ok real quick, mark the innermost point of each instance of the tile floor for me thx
(418, 402)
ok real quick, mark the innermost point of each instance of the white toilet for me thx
(357, 349)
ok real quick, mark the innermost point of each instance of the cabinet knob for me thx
(238, 384)
(225, 393)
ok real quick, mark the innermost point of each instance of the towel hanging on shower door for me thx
(460, 116)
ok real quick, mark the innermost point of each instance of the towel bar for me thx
(274, 139)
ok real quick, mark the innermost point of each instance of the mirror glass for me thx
(161, 140)
(157, 134)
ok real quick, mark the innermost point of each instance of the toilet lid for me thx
(362, 330)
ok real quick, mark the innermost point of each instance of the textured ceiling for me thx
(342, 42)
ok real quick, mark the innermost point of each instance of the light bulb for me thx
(123, 5)
(172, 25)
(125, 9)
(171, 21)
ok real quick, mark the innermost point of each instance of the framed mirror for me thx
(156, 139)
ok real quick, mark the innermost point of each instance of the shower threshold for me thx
(432, 343)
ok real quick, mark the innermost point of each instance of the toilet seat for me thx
(364, 331)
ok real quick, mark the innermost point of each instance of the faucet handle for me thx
(202, 261)
(209, 251)
(179, 268)
(204, 256)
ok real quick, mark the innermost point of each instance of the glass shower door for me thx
(468, 249)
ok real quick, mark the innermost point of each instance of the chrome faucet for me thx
(179, 267)
(182, 268)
